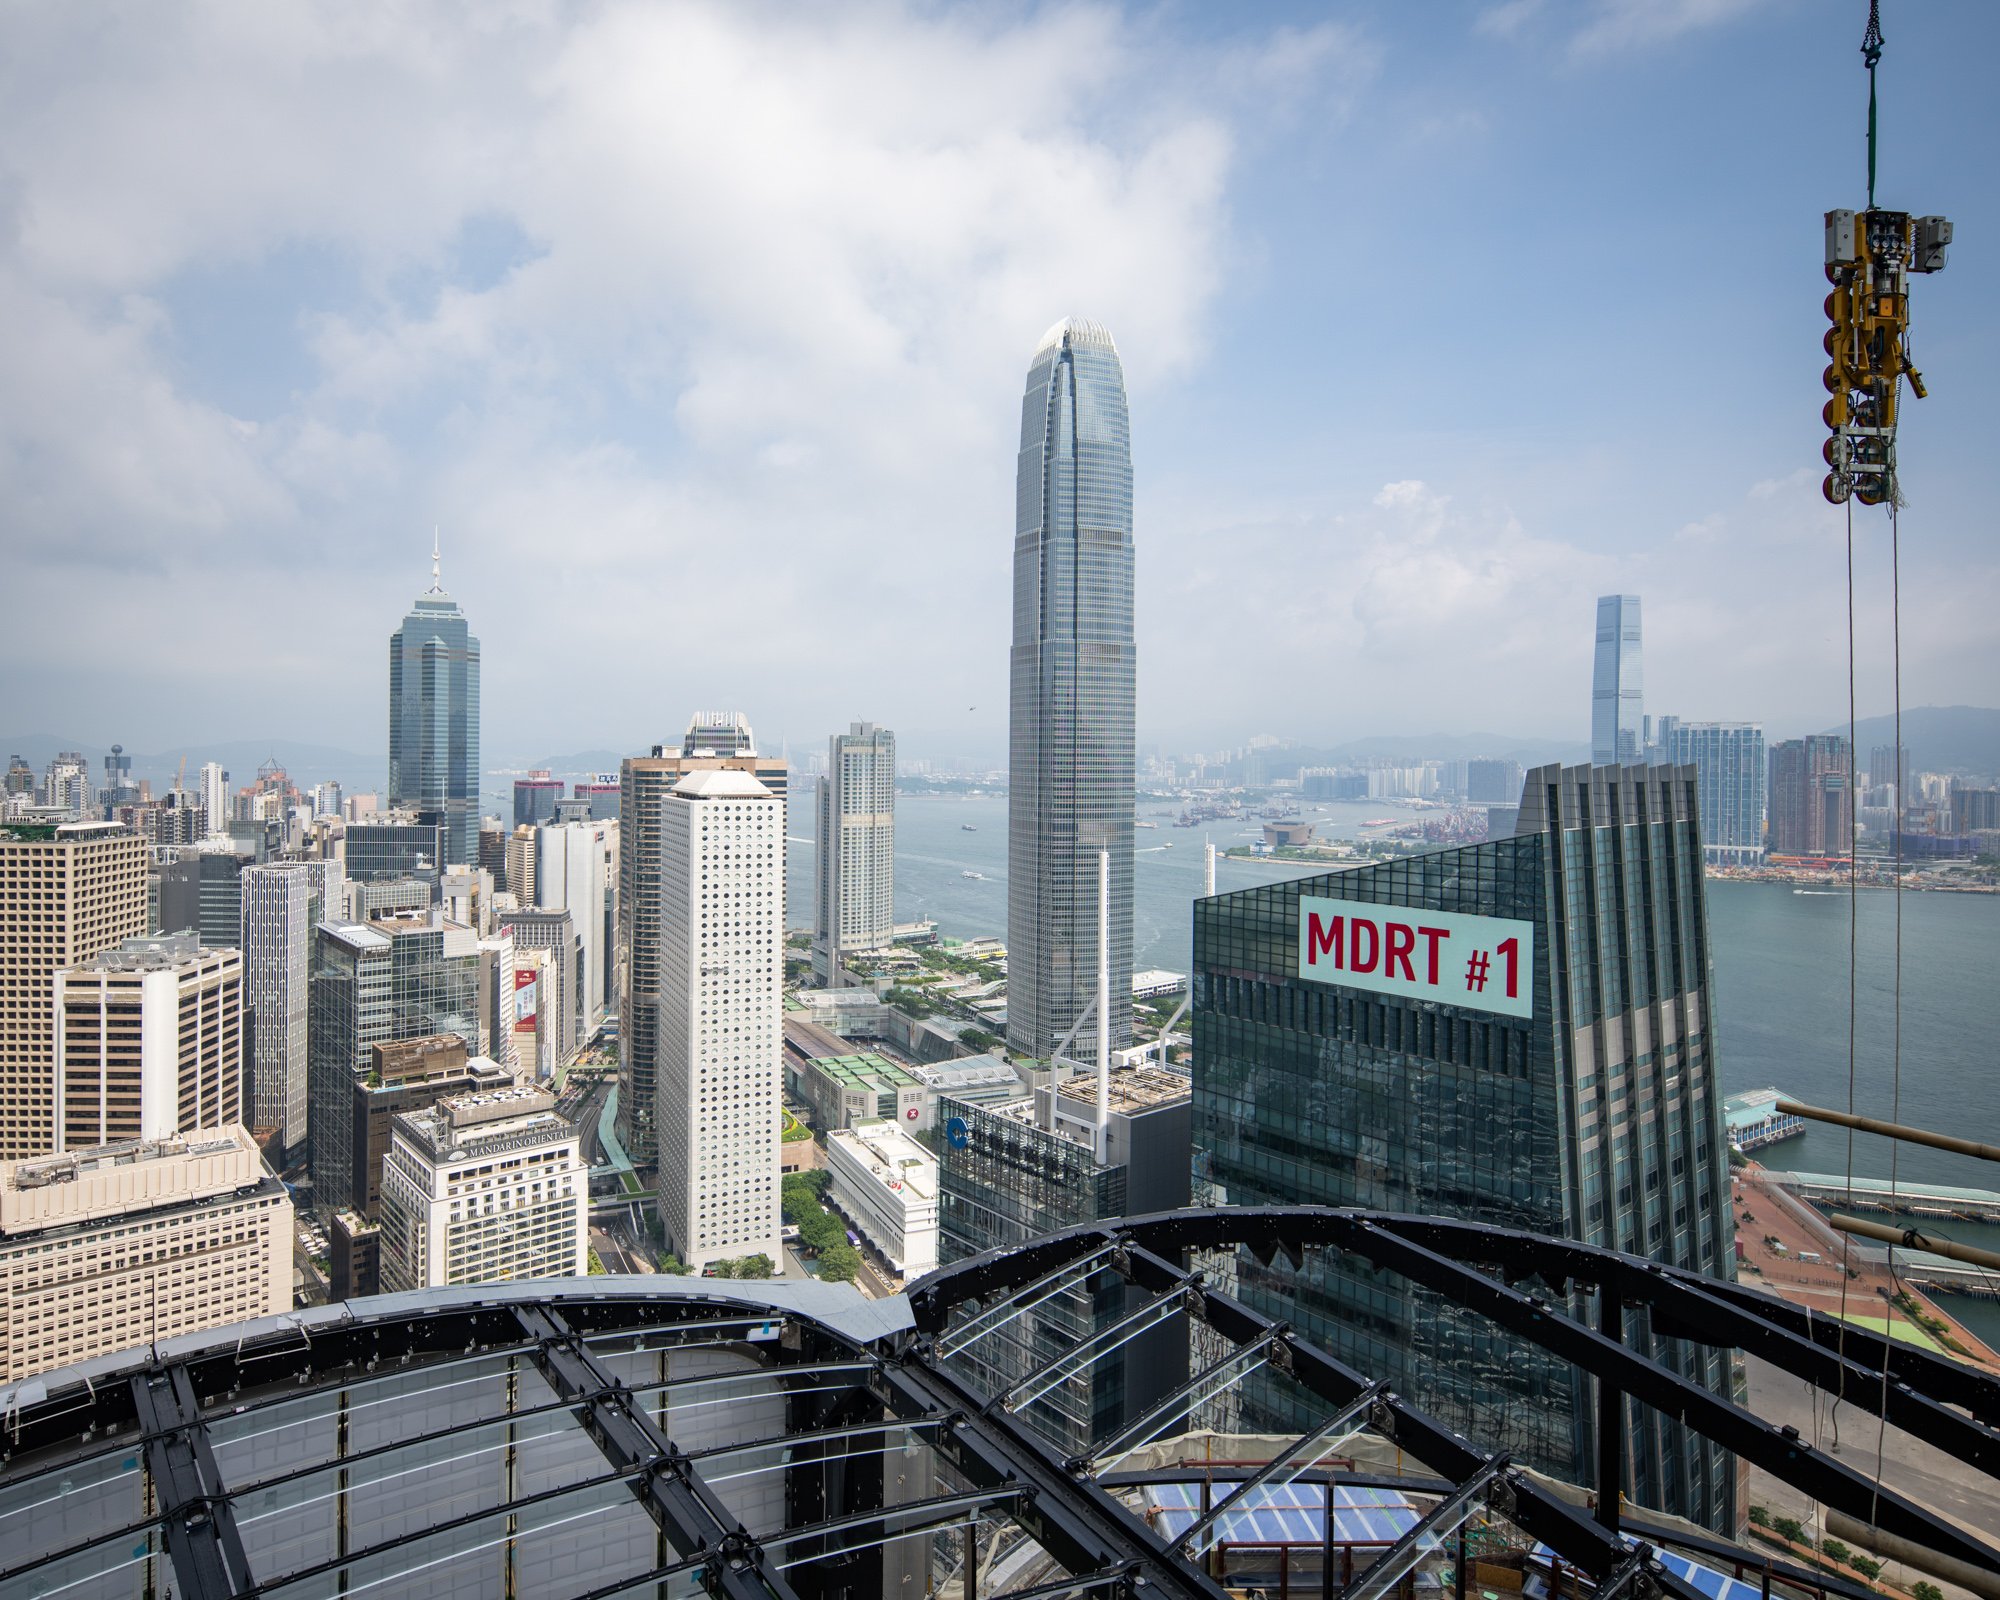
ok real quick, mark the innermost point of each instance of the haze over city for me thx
(702, 325)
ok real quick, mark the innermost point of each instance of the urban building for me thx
(119, 789)
(201, 892)
(493, 851)
(555, 999)
(215, 796)
(465, 895)
(1811, 796)
(1008, 1174)
(576, 870)
(714, 741)
(1974, 809)
(1617, 697)
(497, 985)
(20, 777)
(394, 844)
(535, 797)
(434, 722)
(721, 979)
(367, 898)
(132, 1243)
(67, 891)
(1516, 1033)
(850, 1013)
(850, 1089)
(1889, 768)
(487, 1187)
(375, 983)
(886, 1184)
(1072, 682)
(149, 1042)
(1491, 780)
(1730, 766)
(283, 902)
(855, 864)
(66, 785)
(601, 795)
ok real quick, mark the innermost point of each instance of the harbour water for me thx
(1781, 978)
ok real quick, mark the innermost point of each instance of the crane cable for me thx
(1871, 53)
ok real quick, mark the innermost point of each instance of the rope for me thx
(1896, 1036)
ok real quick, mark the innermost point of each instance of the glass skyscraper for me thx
(1516, 1033)
(1070, 734)
(1729, 757)
(434, 720)
(1617, 699)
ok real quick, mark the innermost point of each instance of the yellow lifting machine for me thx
(1869, 257)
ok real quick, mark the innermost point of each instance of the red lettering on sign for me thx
(1402, 939)
(1322, 939)
(1434, 935)
(1356, 962)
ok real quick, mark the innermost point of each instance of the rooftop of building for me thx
(82, 1187)
(160, 952)
(866, 1069)
(1132, 1088)
(1077, 330)
(721, 783)
(968, 1072)
(890, 1155)
(491, 1122)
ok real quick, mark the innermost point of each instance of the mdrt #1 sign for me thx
(1484, 963)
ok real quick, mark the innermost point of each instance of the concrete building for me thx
(465, 895)
(851, 1013)
(434, 722)
(367, 898)
(555, 996)
(576, 870)
(67, 891)
(1072, 681)
(1488, 779)
(886, 1184)
(1811, 796)
(283, 902)
(600, 794)
(131, 1243)
(521, 864)
(1519, 1033)
(488, 1187)
(713, 742)
(215, 796)
(394, 844)
(854, 908)
(851, 1089)
(1011, 1173)
(721, 978)
(149, 1042)
(535, 797)
(1730, 772)
(201, 892)
(493, 852)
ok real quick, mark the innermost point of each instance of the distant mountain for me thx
(1961, 740)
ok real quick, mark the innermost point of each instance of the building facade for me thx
(201, 892)
(434, 721)
(102, 1250)
(149, 1042)
(886, 1184)
(283, 902)
(721, 1046)
(1517, 1033)
(1617, 692)
(535, 797)
(1812, 796)
(488, 1187)
(1072, 680)
(1730, 766)
(854, 908)
(576, 870)
(713, 742)
(557, 998)
(394, 845)
(67, 891)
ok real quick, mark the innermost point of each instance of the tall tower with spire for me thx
(434, 718)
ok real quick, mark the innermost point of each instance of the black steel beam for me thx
(194, 1511)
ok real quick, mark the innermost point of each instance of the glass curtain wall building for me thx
(855, 908)
(1585, 1106)
(1729, 759)
(1070, 727)
(1617, 701)
(434, 720)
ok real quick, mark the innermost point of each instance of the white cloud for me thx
(1619, 26)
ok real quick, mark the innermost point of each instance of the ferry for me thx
(1379, 822)
(966, 827)
(969, 873)
(1145, 824)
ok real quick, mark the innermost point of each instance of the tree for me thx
(596, 1263)
(1926, 1591)
(1788, 1528)
(1760, 1516)
(1867, 1566)
(818, 1230)
(839, 1263)
(725, 1269)
(978, 1038)
(1834, 1550)
(757, 1266)
(672, 1265)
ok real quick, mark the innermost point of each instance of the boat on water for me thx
(1816, 891)
(1379, 822)
(1145, 824)
(966, 827)
(969, 873)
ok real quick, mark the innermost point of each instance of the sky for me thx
(698, 333)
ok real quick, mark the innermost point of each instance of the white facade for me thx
(215, 797)
(484, 1188)
(576, 870)
(720, 1039)
(282, 902)
(855, 906)
(887, 1184)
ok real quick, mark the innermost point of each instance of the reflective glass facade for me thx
(1617, 699)
(434, 723)
(1596, 1118)
(1070, 750)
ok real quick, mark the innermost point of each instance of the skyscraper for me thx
(1070, 720)
(434, 720)
(1728, 759)
(1812, 804)
(1617, 703)
(1519, 1033)
(215, 797)
(576, 870)
(855, 908)
(283, 902)
(721, 1050)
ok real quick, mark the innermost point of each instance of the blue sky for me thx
(700, 331)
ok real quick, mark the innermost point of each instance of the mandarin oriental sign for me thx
(1481, 963)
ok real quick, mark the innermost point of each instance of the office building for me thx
(1974, 809)
(434, 722)
(855, 908)
(149, 1042)
(119, 789)
(1517, 1033)
(721, 979)
(714, 741)
(20, 778)
(66, 785)
(1811, 798)
(1071, 780)
(394, 845)
(1010, 1173)
(555, 997)
(132, 1243)
(497, 983)
(846, 1090)
(535, 797)
(215, 796)
(1617, 697)
(283, 902)
(201, 892)
(368, 898)
(576, 870)
(465, 895)
(601, 795)
(1490, 780)
(1889, 768)
(376, 983)
(886, 1184)
(486, 1187)
(67, 891)
(1731, 769)
(493, 839)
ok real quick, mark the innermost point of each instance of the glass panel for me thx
(67, 1505)
(124, 1567)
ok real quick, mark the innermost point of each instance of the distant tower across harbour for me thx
(1617, 699)
(1070, 723)
(434, 720)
